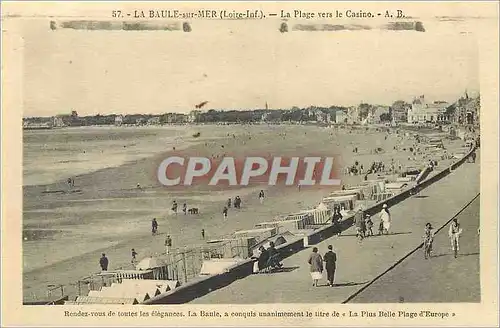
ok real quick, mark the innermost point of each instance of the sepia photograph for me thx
(252, 155)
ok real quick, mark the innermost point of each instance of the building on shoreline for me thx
(119, 120)
(466, 110)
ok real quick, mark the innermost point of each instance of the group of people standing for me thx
(236, 203)
(364, 223)
(268, 258)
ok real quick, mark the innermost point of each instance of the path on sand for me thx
(359, 263)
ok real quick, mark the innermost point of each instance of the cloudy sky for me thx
(241, 65)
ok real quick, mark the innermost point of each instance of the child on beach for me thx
(369, 225)
(174, 207)
(184, 208)
(134, 254)
(224, 213)
(380, 228)
(261, 196)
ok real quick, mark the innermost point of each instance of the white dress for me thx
(385, 217)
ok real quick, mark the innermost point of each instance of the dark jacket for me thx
(104, 263)
(263, 258)
(330, 259)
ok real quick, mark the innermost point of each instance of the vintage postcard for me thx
(250, 163)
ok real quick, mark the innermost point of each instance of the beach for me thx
(66, 230)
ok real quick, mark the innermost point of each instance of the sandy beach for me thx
(65, 232)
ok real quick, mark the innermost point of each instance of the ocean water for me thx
(54, 155)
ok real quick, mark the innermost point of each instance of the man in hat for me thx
(385, 219)
(103, 262)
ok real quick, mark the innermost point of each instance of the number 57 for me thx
(116, 13)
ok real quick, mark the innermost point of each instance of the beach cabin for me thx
(396, 187)
(229, 247)
(218, 266)
(436, 142)
(411, 172)
(285, 225)
(349, 191)
(379, 191)
(319, 216)
(120, 293)
(345, 202)
(162, 286)
(259, 234)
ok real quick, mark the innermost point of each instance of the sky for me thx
(241, 65)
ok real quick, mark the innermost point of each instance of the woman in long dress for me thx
(316, 263)
(385, 218)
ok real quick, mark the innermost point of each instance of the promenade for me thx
(440, 279)
(360, 262)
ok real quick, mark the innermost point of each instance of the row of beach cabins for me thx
(156, 275)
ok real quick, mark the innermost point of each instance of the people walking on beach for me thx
(134, 254)
(369, 225)
(184, 208)
(454, 234)
(229, 203)
(154, 226)
(103, 262)
(168, 244)
(237, 202)
(330, 259)
(224, 213)
(261, 196)
(359, 222)
(316, 266)
(385, 219)
(428, 239)
(174, 207)
(202, 233)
